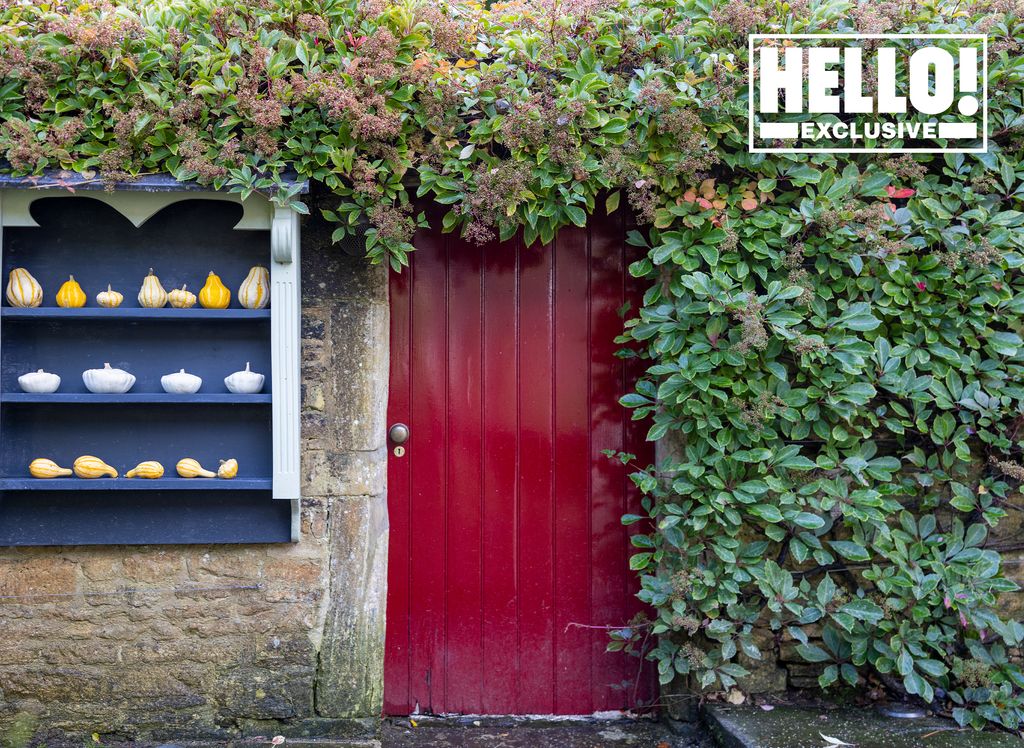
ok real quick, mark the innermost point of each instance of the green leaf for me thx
(812, 653)
(576, 215)
(864, 610)
(849, 550)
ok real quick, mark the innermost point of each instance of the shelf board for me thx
(135, 484)
(127, 314)
(135, 398)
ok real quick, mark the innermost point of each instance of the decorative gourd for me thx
(23, 290)
(228, 469)
(88, 466)
(71, 295)
(152, 295)
(108, 381)
(244, 382)
(189, 468)
(180, 383)
(109, 298)
(181, 298)
(254, 293)
(39, 382)
(149, 469)
(44, 468)
(215, 295)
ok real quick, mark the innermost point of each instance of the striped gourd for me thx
(109, 298)
(23, 290)
(182, 298)
(254, 293)
(189, 468)
(215, 295)
(88, 466)
(152, 295)
(71, 295)
(228, 469)
(149, 469)
(44, 468)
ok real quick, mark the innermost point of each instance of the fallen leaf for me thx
(735, 696)
(830, 741)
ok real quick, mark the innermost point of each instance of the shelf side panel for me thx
(285, 341)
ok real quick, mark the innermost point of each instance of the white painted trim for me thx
(137, 207)
(285, 339)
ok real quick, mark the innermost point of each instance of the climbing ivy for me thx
(833, 342)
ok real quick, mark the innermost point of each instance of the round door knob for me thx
(398, 433)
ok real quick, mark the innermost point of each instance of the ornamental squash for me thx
(109, 298)
(215, 295)
(149, 469)
(254, 293)
(44, 468)
(189, 468)
(152, 295)
(182, 298)
(23, 290)
(228, 469)
(88, 466)
(71, 295)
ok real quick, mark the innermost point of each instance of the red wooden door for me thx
(505, 516)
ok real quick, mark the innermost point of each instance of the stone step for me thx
(803, 727)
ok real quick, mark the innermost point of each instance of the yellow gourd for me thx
(109, 298)
(44, 468)
(152, 295)
(215, 295)
(228, 469)
(71, 295)
(23, 290)
(88, 466)
(149, 469)
(254, 293)
(189, 468)
(181, 298)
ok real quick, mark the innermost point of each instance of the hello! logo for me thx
(862, 93)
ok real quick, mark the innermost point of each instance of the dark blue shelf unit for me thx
(95, 243)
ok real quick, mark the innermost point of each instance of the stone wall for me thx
(150, 643)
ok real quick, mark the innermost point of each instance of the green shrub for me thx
(838, 366)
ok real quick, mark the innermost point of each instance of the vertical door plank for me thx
(396, 651)
(500, 498)
(572, 475)
(536, 541)
(608, 556)
(426, 452)
(465, 447)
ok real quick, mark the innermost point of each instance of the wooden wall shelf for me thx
(115, 240)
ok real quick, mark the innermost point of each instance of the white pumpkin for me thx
(246, 382)
(108, 381)
(181, 383)
(254, 293)
(39, 382)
